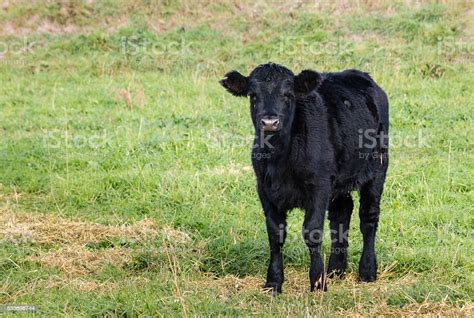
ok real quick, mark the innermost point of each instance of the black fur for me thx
(331, 141)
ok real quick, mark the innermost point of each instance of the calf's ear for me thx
(235, 83)
(307, 81)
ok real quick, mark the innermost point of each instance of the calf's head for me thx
(273, 91)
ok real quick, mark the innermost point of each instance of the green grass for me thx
(113, 122)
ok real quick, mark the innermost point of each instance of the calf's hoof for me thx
(337, 266)
(367, 271)
(320, 284)
(336, 273)
(274, 288)
(367, 278)
(337, 270)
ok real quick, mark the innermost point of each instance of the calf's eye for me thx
(253, 99)
(287, 98)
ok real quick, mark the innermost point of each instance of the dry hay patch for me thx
(75, 261)
(68, 241)
(425, 309)
(297, 283)
(296, 287)
(173, 235)
(84, 284)
(47, 229)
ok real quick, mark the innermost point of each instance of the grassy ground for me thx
(125, 179)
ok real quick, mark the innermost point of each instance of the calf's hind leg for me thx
(340, 210)
(370, 195)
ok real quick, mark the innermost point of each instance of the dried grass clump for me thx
(76, 261)
(47, 229)
(297, 283)
(412, 310)
(174, 235)
(297, 288)
(69, 240)
(84, 284)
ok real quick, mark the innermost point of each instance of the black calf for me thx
(317, 138)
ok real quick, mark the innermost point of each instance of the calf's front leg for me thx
(313, 237)
(276, 229)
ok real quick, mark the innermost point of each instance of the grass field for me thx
(125, 181)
